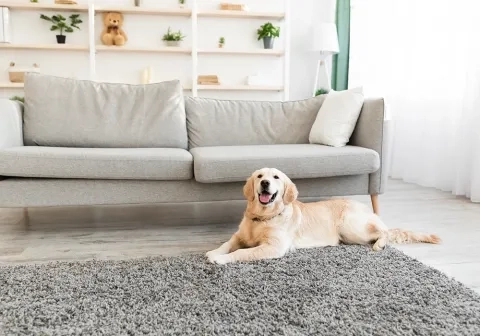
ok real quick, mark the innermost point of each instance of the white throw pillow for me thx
(337, 117)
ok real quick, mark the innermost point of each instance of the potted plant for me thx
(181, 3)
(173, 39)
(60, 23)
(221, 42)
(320, 92)
(268, 32)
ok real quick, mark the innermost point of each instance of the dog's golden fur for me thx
(269, 230)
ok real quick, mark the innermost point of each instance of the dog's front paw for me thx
(220, 259)
(212, 253)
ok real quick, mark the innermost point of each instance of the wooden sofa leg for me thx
(375, 205)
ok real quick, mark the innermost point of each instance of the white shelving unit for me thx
(226, 51)
(174, 50)
(41, 6)
(239, 88)
(192, 13)
(241, 14)
(59, 47)
(9, 85)
(146, 11)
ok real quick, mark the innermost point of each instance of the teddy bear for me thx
(113, 33)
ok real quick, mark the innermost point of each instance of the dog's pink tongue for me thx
(265, 198)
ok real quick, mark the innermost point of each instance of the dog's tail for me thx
(399, 236)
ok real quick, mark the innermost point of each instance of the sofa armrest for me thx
(374, 131)
(11, 124)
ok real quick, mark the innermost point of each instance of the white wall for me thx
(146, 30)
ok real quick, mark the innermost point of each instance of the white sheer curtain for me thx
(423, 57)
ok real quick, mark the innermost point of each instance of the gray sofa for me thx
(82, 143)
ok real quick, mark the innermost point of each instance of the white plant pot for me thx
(172, 43)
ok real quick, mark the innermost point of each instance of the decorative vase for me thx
(220, 45)
(137, 3)
(5, 25)
(181, 6)
(268, 42)
(172, 43)
(61, 39)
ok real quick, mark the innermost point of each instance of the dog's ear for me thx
(248, 189)
(291, 193)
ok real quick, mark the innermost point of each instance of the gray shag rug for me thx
(345, 290)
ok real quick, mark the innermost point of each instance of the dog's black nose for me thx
(265, 183)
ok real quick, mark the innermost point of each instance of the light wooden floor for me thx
(119, 232)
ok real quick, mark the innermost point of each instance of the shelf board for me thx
(9, 85)
(41, 6)
(174, 50)
(227, 51)
(70, 47)
(240, 88)
(147, 11)
(241, 14)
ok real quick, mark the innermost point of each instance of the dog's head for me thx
(268, 187)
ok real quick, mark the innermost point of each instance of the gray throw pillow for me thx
(64, 112)
(213, 122)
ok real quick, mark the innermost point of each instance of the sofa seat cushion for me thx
(237, 163)
(97, 163)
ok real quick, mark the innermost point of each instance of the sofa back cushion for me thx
(212, 122)
(65, 112)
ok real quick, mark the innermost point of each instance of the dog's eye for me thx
(276, 177)
(260, 176)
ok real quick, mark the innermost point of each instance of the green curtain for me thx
(340, 60)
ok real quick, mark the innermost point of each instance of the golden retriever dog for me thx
(275, 223)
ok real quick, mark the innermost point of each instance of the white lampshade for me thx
(325, 38)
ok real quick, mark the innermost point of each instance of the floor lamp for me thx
(325, 43)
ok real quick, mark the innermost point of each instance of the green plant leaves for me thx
(321, 92)
(268, 30)
(175, 36)
(44, 17)
(59, 22)
(75, 21)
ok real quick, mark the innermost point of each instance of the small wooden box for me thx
(208, 80)
(65, 2)
(230, 6)
(17, 74)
